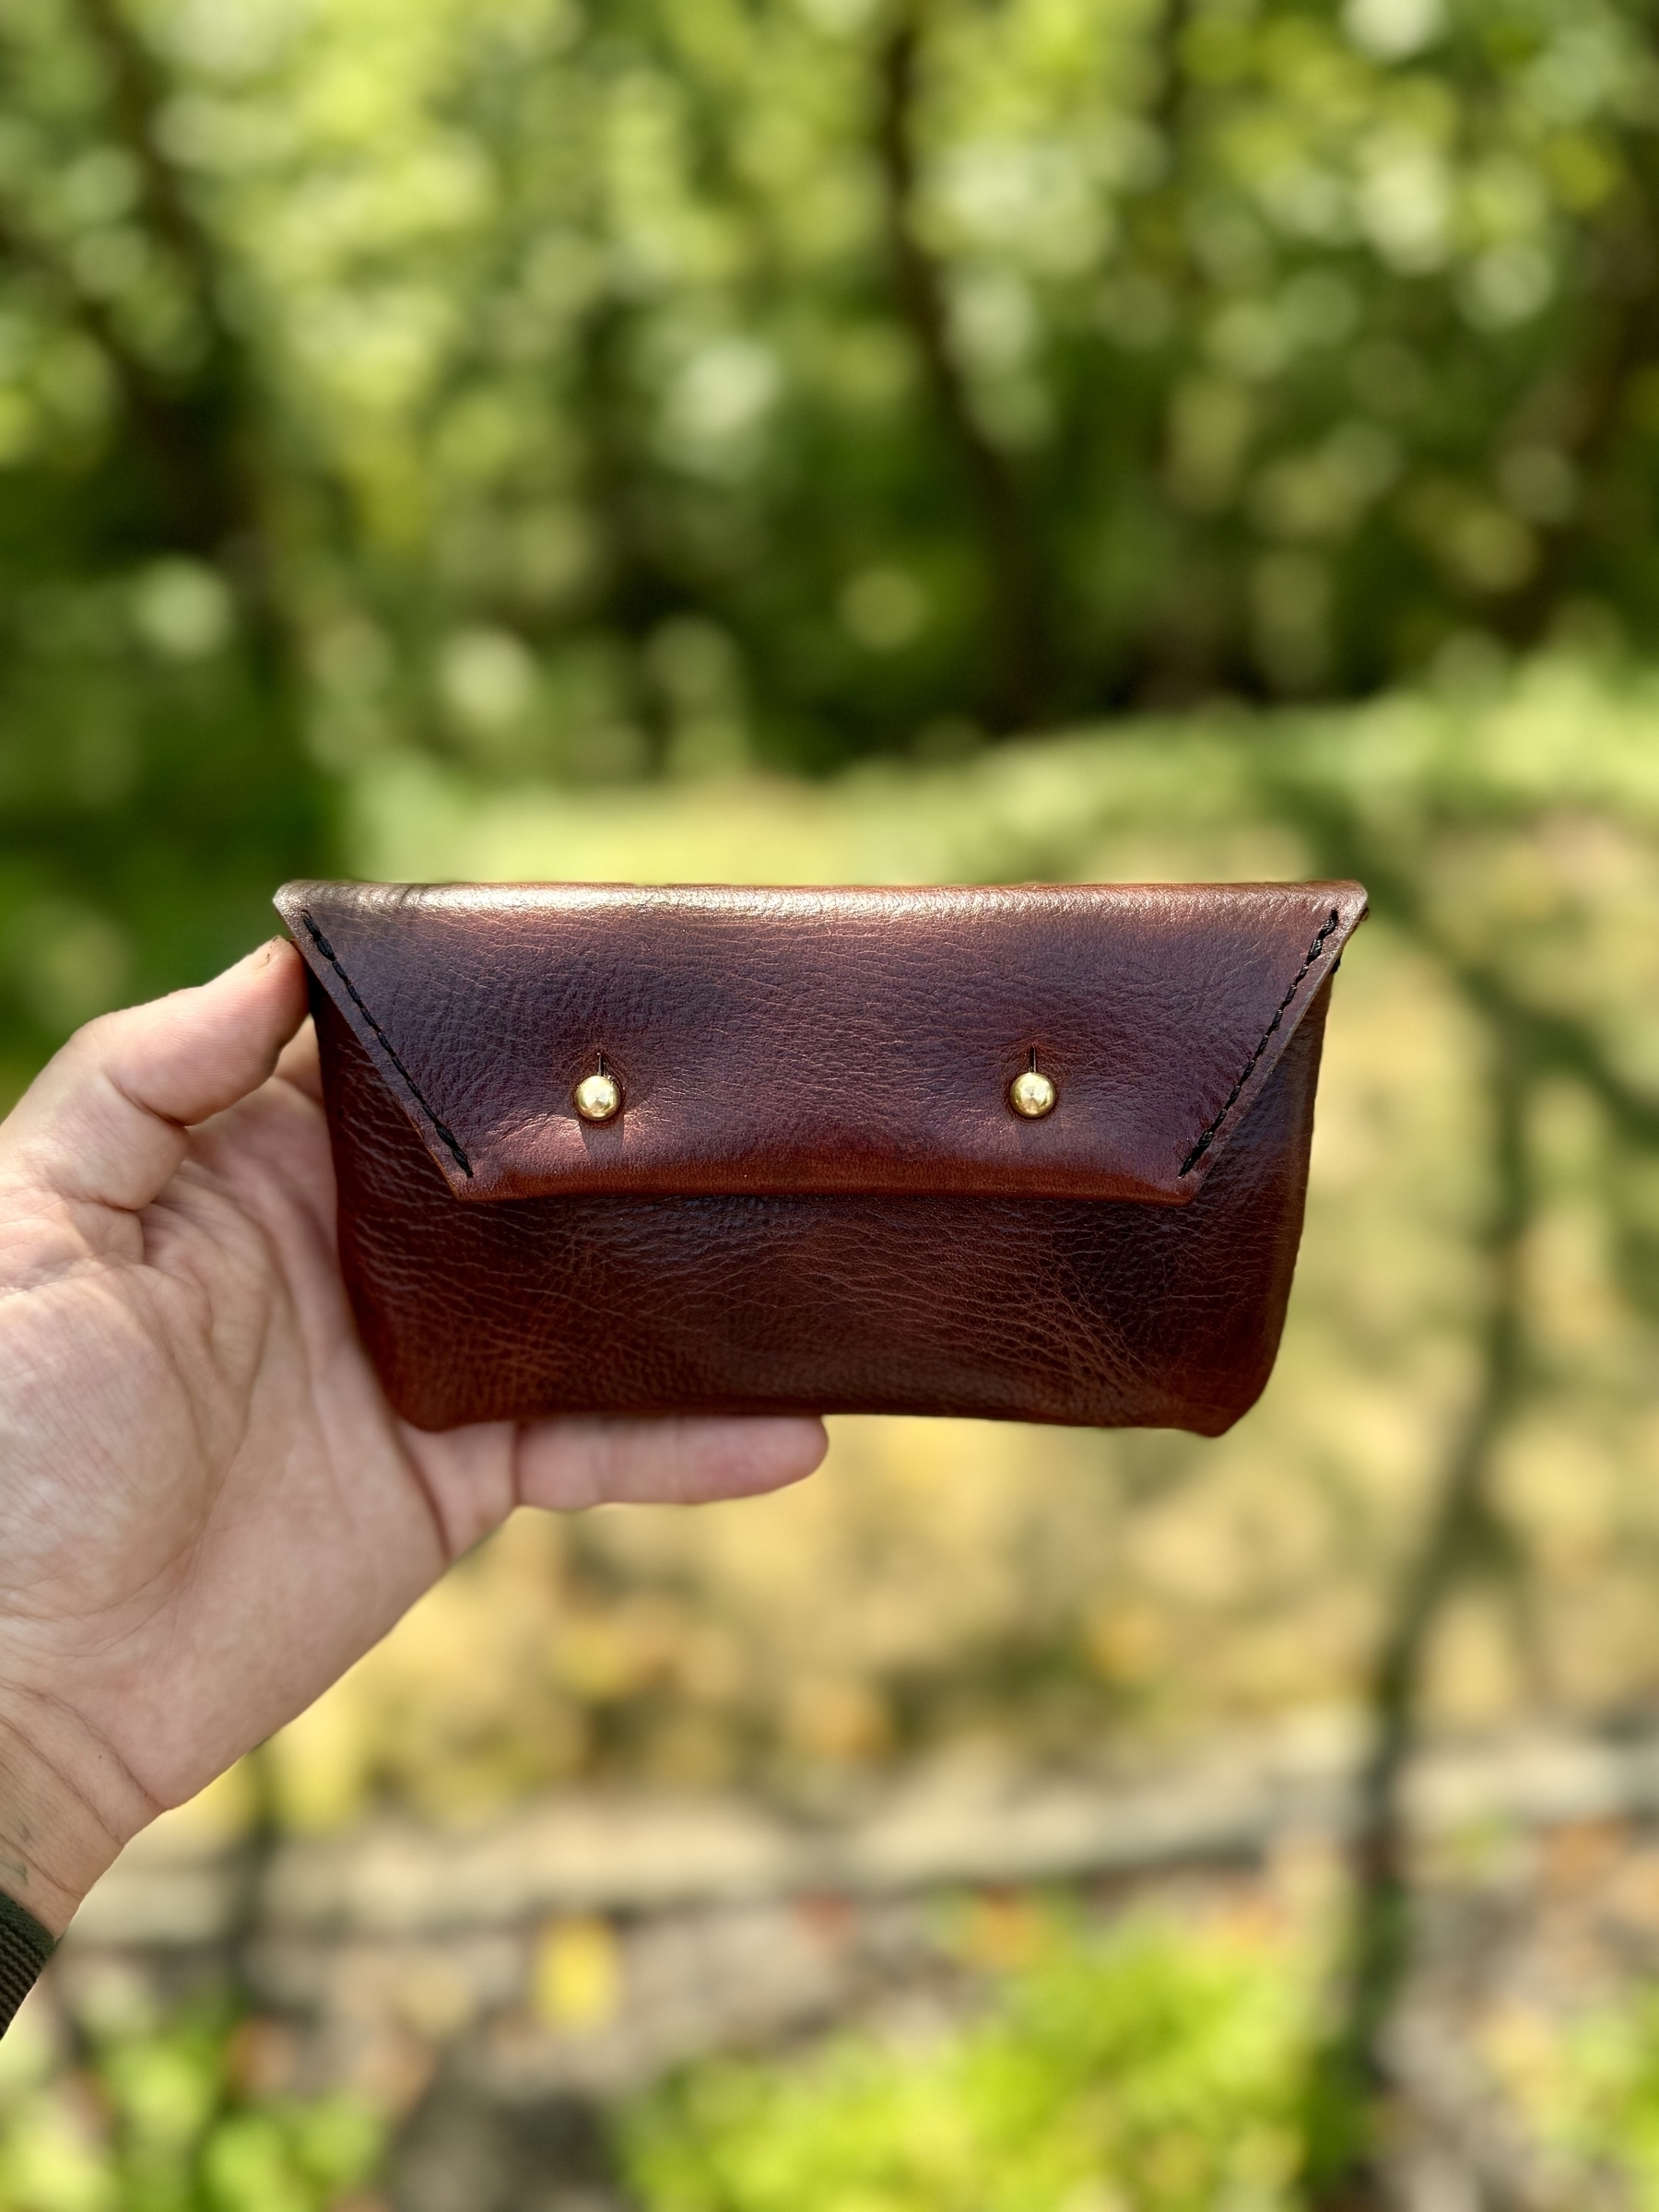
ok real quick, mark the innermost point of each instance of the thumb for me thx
(105, 1118)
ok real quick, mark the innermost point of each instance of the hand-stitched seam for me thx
(1207, 1137)
(327, 950)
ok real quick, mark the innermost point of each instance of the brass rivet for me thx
(1032, 1094)
(598, 1098)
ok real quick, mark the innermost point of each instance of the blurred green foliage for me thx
(170, 2115)
(1146, 2068)
(583, 393)
(1602, 2107)
(1152, 2067)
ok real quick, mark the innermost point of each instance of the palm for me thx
(255, 1506)
(207, 1508)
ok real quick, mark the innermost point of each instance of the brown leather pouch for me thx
(815, 1190)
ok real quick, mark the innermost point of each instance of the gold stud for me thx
(598, 1098)
(1032, 1093)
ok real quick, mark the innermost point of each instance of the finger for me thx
(569, 1463)
(105, 1119)
(300, 1064)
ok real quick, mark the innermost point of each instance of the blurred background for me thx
(885, 441)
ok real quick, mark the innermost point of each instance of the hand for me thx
(207, 1508)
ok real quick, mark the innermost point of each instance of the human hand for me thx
(207, 1508)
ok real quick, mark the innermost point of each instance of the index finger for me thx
(104, 1121)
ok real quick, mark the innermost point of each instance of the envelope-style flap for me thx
(824, 1041)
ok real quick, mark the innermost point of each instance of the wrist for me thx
(67, 1806)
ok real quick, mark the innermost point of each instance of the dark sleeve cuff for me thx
(25, 1947)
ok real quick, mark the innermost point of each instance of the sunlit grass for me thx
(1158, 2065)
(1142, 2068)
(158, 2113)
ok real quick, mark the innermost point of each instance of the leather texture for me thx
(815, 1196)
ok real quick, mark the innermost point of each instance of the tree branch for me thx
(199, 428)
(1350, 2091)
(1007, 543)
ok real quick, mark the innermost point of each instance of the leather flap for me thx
(824, 1041)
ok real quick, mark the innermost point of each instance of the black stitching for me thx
(1209, 1135)
(327, 950)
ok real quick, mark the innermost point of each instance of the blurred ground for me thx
(498, 1997)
